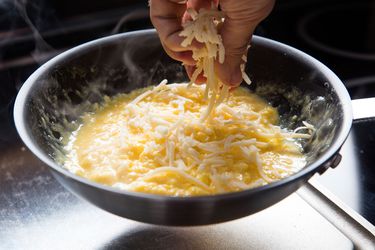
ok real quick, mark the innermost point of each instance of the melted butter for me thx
(119, 145)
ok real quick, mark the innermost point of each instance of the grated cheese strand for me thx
(204, 29)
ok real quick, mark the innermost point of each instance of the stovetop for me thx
(353, 180)
(36, 212)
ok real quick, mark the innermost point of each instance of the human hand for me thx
(241, 19)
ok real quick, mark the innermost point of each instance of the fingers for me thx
(242, 17)
(166, 16)
(182, 56)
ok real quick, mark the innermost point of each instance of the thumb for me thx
(241, 19)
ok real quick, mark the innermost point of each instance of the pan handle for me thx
(363, 108)
(349, 222)
(345, 219)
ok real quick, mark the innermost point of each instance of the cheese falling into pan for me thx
(204, 28)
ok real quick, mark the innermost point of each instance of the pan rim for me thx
(310, 169)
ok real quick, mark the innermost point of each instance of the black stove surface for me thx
(26, 184)
(339, 33)
(364, 136)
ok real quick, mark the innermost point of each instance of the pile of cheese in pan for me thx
(153, 140)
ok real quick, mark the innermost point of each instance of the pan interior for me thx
(80, 79)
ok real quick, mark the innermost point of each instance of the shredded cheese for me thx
(204, 28)
(152, 140)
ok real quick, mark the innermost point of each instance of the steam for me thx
(7, 14)
(41, 46)
(133, 15)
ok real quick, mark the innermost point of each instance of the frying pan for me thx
(51, 101)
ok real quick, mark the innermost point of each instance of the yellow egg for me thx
(157, 143)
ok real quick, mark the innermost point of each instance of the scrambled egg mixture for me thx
(154, 140)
